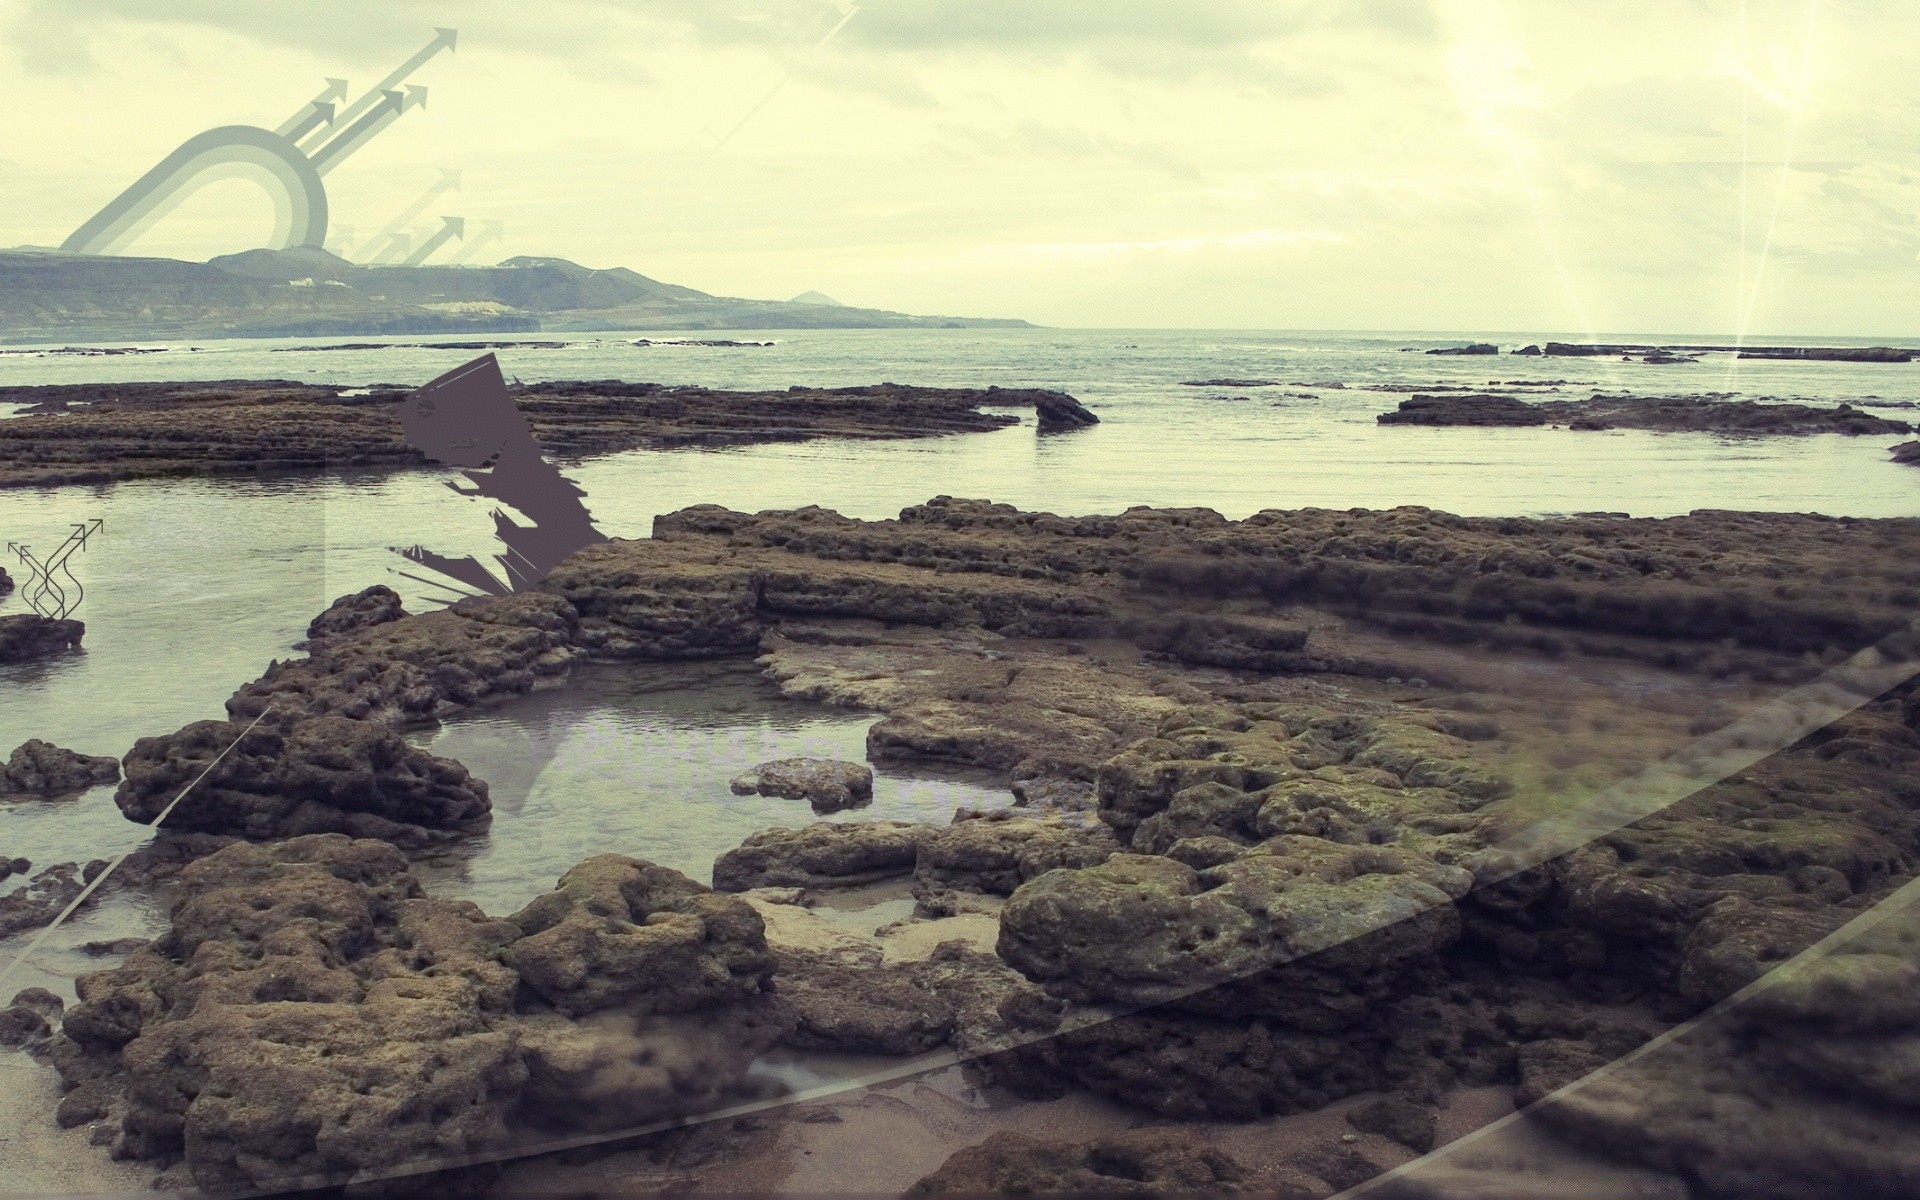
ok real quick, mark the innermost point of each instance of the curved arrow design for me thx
(47, 597)
(41, 594)
(288, 161)
(450, 228)
(261, 154)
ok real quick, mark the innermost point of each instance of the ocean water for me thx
(193, 585)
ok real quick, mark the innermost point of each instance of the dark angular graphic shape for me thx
(466, 418)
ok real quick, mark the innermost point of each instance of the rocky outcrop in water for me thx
(1059, 413)
(94, 433)
(43, 897)
(326, 774)
(1664, 413)
(828, 785)
(311, 1016)
(1453, 409)
(26, 637)
(372, 606)
(44, 768)
(1263, 761)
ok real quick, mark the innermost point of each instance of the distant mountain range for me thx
(52, 296)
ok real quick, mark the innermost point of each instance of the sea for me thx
(193, 585)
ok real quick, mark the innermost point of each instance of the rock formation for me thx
(325, 774)
(42, 767)
(310, 1016)
(372, 606)
(26, 637)
(86, 433)
(1138, 1162)
(1664, 413)
(829, 786)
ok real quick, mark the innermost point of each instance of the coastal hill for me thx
(52, 296)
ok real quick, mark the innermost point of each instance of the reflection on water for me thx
(635, 758)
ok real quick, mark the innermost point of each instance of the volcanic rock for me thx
(1137, 1162)
(993, 854)
(26, 637)
(42, 767)
(321, 774)
(618, 931)
(1059, 412)
(1452, 409)
(372, 606)
(310, 1016)
(824, 854)
(828, 785)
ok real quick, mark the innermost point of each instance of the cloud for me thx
(57, 34)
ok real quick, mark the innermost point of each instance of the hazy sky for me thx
(1375, 164)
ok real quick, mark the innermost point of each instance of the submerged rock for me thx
(36, 903)
(1464, 410)
(828, 784)
(42, 767)
(26, 637)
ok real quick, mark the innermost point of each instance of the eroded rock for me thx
(311, 1016)
(824, 854)
(42, 767)
(372, 606)
(829, 785)
(26, 637)
(318, 775)
(1137, 1162)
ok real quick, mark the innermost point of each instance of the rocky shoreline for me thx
(1667, 414)
(100, 433)
(1257, 768)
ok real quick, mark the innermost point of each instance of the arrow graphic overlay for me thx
(490, 232)
(449, 181)
(396, 249)
(450, 228)
(443, 39)
(385, 113)
(314, 113)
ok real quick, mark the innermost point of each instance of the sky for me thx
(1723, 167)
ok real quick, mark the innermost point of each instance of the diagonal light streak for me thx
(852, 11)
(93, 884)
(1786, 167)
